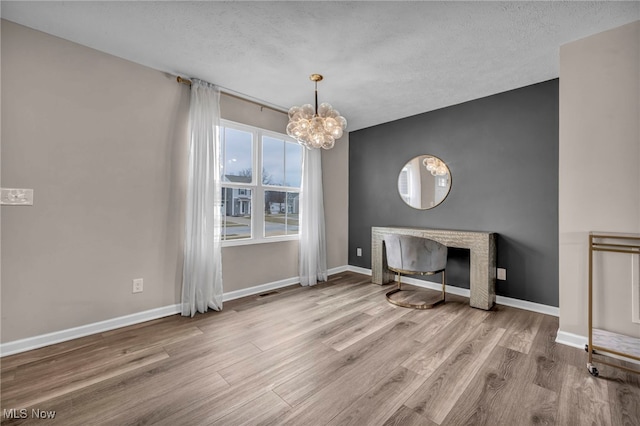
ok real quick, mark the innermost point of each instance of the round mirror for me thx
(424, 182)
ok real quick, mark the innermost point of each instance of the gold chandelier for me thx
(435, 166)
(317, 127)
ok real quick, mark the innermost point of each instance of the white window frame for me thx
(257, 187)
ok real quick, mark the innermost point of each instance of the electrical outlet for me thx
(359, 251)
(137, 285)
(502, 274)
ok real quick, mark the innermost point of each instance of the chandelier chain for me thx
(316, 126)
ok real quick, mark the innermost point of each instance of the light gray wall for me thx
(270, 262)
(103, 142)
(599, 124)
(502, 151)
(335, 182)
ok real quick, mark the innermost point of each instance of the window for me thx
(264, 206)
(403, 184)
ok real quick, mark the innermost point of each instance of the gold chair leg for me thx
(425, 305)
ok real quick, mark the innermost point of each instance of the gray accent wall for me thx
(502, 151)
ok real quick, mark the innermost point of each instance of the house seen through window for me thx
(261, 173)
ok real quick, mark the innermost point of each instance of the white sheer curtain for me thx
(313, 246)
(202, 273)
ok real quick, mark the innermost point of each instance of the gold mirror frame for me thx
(424, 182)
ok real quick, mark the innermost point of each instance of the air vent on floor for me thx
(268, 293)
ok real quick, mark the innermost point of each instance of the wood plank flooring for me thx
(334, 354)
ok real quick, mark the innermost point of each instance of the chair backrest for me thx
(415, 254)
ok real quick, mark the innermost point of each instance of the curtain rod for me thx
(233, 95)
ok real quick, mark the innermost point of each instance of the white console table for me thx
(482, 247)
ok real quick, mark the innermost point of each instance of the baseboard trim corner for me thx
(359, 270)
(571, 339)
(338, 270)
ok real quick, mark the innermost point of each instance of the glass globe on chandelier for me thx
(435, 166)
(316, 128)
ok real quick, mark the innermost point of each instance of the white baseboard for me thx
(580, 342)
(35, 342)
(263, 288)
(500, 300)
(338, 270)
(359, 270)
(40, 341)
(570, 339)
(528, 306)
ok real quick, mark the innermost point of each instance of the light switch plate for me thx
(16, 197)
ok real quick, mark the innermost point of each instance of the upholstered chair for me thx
(409, 255)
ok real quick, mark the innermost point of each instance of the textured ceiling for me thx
(381, 60)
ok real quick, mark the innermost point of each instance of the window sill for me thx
(234, 243)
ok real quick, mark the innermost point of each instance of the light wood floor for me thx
(335, 354)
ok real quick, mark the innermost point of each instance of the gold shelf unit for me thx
(601, 341)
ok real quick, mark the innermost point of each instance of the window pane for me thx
(236, 213)
(293, 164)
(237, 160)
(281, 162)
(281, 213)
(403, 185)
(293, 212)
(272, 161)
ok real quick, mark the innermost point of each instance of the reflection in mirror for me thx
(424, 182)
